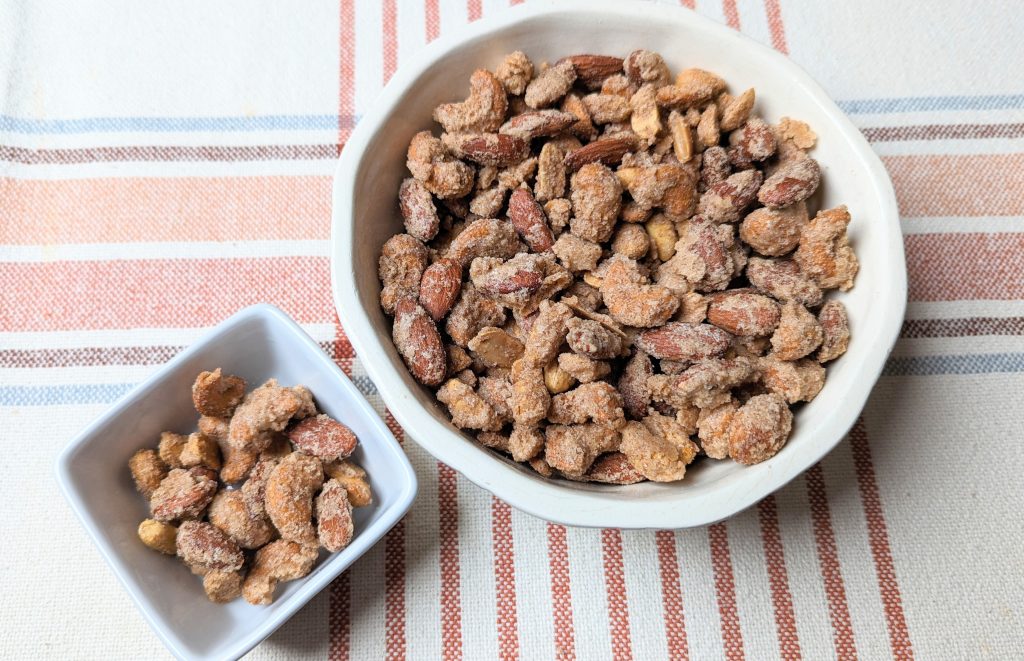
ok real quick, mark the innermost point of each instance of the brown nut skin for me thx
(836, 328)
(529, 220)
(678, 340)
(278, 561)
(217, 395)
(440, 287)
(183, 494)
(793, 182)
(613, 468)
(591, 70)
(324, 437)
(202, 545)
(418, 342)
(289, 496)
(418, 210)
(759, 429)
(147, 470)
(743, 312)
(782, 280)
(334, 517)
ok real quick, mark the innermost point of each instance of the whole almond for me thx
(605, 150)
(725, 201)
(440, 286)
(202, 545)
(743, 312)
(529, 220)
(750, 143)
(183, 494)
(417, 340)
(782, 280)
(538, 123)
(418, 210)
(792, 182)
(678, 340)
(836, 328)
(497, 149)
(323, 436)
(636, 395)
(593, 69)
(613, 468)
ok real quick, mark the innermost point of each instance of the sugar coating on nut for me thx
(289, 496)
(217, 395)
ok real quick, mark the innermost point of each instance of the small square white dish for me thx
(257, 343)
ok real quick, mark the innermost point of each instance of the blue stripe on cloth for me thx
(990, 363)
(929, 103)
(985, 363)
(62, 394)
(173, 124)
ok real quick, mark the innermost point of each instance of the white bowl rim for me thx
(311, 586)
(577, 507)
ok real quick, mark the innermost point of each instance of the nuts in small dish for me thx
(248, 500)
(608, 272)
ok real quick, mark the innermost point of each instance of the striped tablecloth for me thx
(165, 164)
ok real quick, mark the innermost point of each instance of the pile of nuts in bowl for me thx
(607, 272)
(276, 450)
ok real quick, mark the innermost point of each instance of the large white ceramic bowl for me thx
(257, 343)
(372, 165)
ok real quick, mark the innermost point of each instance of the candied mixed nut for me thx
(248, 500)
(608, 272)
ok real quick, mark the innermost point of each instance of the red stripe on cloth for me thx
(343, 349)
(778, 33)
(389, 23)
(778, 580)
(958, 184)
(615, 586)
(954, 267)
(561, 593)
(346, 70)
(878, 537)
(451, 592)
(394, 575)
(671, 595)
(432, 19)
(689, 4)
(725, 591)
(148, 209)
(339, 619)
(159, 293)
(505, 579)
(474, 9)
(732, 14)
(394, 593)
(828, 559)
